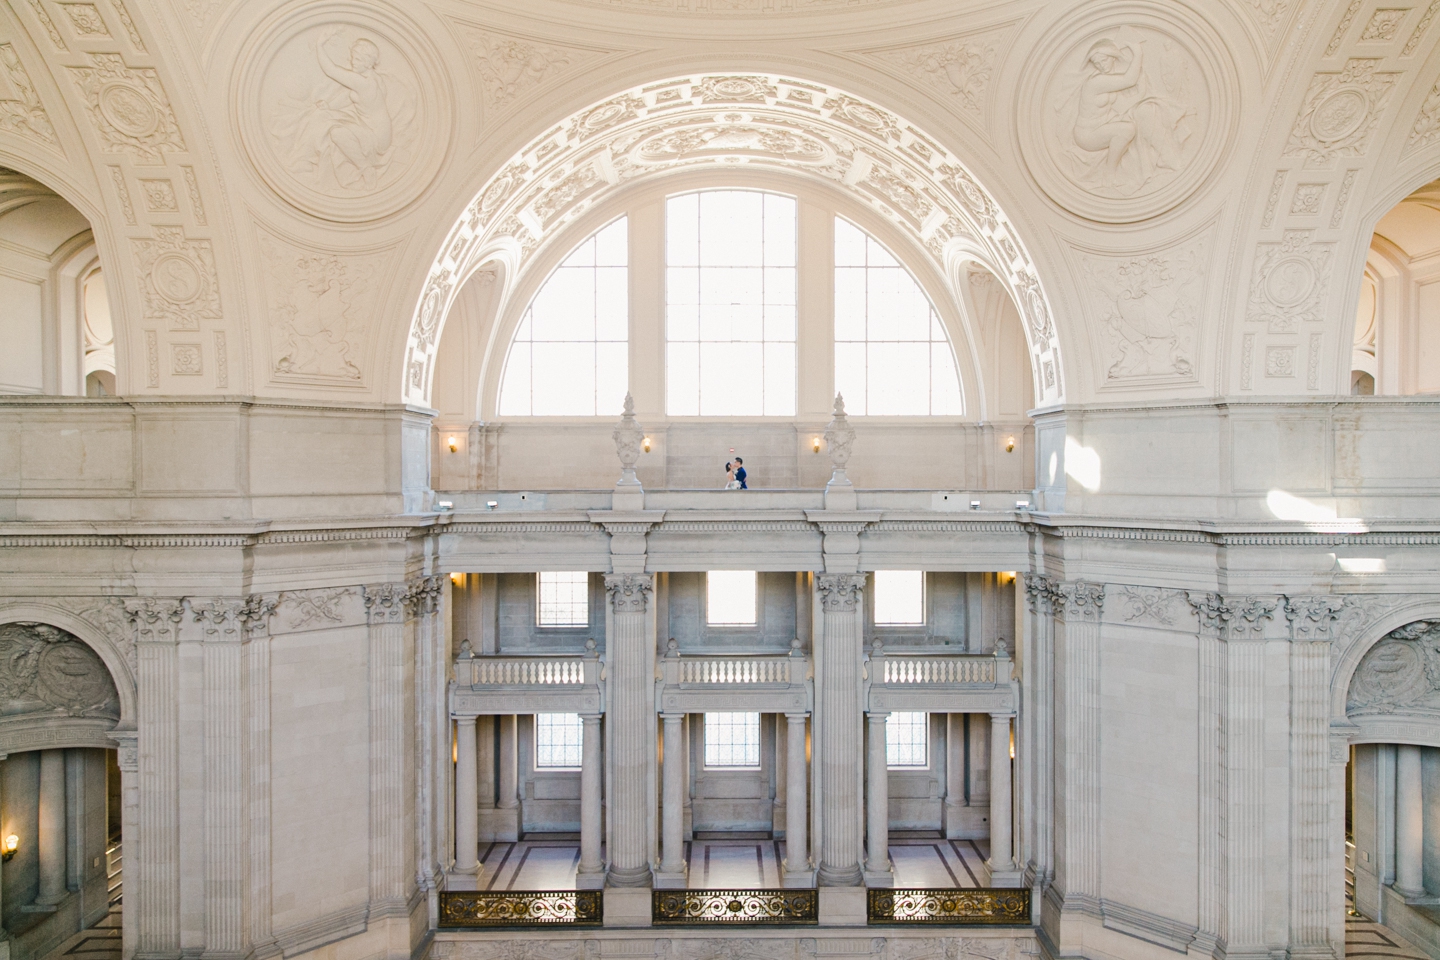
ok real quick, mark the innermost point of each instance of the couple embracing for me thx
(735, 474)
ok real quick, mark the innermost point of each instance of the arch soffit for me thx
(88, 629)
(760, 120)
(519, 288)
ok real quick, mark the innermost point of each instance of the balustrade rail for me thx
(983, 906)
(938, 670)
(735, 907)
(525, 671)
(520, 908)
(746, 670)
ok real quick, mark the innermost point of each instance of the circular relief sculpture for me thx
(341, 113)
(1127, 121)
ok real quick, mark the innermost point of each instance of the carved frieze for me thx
(1340, 112)
(1129, 116)
(341, 111)
(1426, 128)
(1400, 674)
(128, 108)
(20, 108)
(178, 278)
(1153, 605)
(44, 670)
(309, 609)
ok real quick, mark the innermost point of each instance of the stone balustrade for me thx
(767, 684)
(506, 685)
(953, 683)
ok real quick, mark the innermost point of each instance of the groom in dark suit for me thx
(740, 473)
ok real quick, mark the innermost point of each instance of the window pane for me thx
(904, 365)
(737, 302)
(899, 596)
(558, 740)
(907, 740)
(730, 597)
(732, 739)
(563, 599)
(553, 365)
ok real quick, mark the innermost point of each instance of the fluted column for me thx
(877, 803)
(1001, 859)
(1409, 823)
(837, 730)
(127, 758)
(467, 804)
(255, 784)
(672, 866)
(797, 846)
(631, 650)
(590, 874)
(387, 608)
(52, 828)
(1078, 653)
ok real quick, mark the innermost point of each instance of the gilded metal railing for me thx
(520, 908)
(962, 907)
(734, 906)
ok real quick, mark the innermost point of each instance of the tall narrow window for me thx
(732, 739)
(899, 597)
(570, 355)
(730, 304)
(907, 740)
(563, 599)
(558, 740)
(892, 357)
(730, 597)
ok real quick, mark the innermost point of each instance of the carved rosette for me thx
(840, 592)
(629, 592)
(1313, 618)
(385, 602)
(1082, 601)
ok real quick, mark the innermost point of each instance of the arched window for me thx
(730, 304)
(570, 355)
(892, 356)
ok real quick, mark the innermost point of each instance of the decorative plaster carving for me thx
(1250, 616)
(1313, 618)
(43, 669)
(1426, 128)
(222, 362)
(20, 108)
(1273, 198)
(159, 196)
(1342, 28)
(1042, 593)
(386, 602)
(117, 177)
(178, 278)
(128, 23)
(129, 109)
(1155, 605)
(629, 592)
(1419, 32)
(1247, 360)
(509, 66)
(1082, 601)
(1269, 14)
(959, 67)
(321, 309)
(192, 187)
(1280, 362)
(1289, 281)
(1150, 309)
(1213, 612)
(303, 609)
(1127, 121)
(1308, 199)
(185, 359)
(341, 114)
(1340, 112)
(1312, 368)
(1384, 24)
(1400, 674)
(840, 592)
(38, 8)
(86, 19)
(152, 360)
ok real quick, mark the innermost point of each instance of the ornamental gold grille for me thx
(951, 907)
(520, 908)
(735, 906)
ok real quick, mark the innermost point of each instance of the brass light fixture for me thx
(815, 444)
(1009, 444)
(12, 844)
(645, 444)
(454, 444)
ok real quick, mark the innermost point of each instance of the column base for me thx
(1011, 876)
(463, 879)
(880, 878)
(797, 879)
(842, 907)
(627, 907)
(672, 879)
(967, 823)
(500, 823)
(591, 880)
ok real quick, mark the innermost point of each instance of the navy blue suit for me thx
(740, 475)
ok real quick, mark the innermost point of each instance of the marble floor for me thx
(1365, 939)
(100, 942)
(549, 863)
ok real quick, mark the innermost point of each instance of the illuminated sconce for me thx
(815, 444)
(454, 444)
(1009, 445)
(12, 844)
(645, 444)
(458, 579)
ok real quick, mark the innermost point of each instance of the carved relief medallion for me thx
(1127, 121)
(341, 111)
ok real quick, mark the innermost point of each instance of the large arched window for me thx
(891, 353)
(730, 304)
(570, 355)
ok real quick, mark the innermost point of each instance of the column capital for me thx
(385, 602)
(219, 619)
(629, 592)
(1083, 600)
(1313, 619)
(1002, 715)
(800, 715)
(256, 612)
(155, 619)
(877, 716)
(840, 592)
(1042, 593)
(423, 593)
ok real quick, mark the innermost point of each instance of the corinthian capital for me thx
(385, 602)
(1313, 618)
(840, 592)
(1082, 600)
(629, 592)
(1042, 593)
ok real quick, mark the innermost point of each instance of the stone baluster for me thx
(467, 803)
(591, 873)
(52, 828)
(797, 846)
(1002, 861)
(1409, 823)
(631, 649)
(839, 724)
(672, 867)
(878, 872)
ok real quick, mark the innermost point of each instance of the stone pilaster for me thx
(51, 838)
(387, 610)
(1002, 860)
(152, 879)
(127, 758)
(838, 728)
(591, 873)
(798, 872)
(1078, 652)
(672, 846)
(631, 652)
(431, 717)
(259, 819)
(1214, 616)
(467, 805)
(1036, 738)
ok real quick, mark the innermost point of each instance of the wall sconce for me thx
(454, 444)
(645, 444)
(12, 844)
(491, 504)
(1009, 445)
(458, 579)
(815, 444)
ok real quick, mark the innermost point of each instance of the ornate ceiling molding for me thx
(752, 121)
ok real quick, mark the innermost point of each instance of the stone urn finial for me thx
(628, 437)
(839, 438)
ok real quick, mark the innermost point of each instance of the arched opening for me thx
(60, 796)
(57, 326)
(1396, 346)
